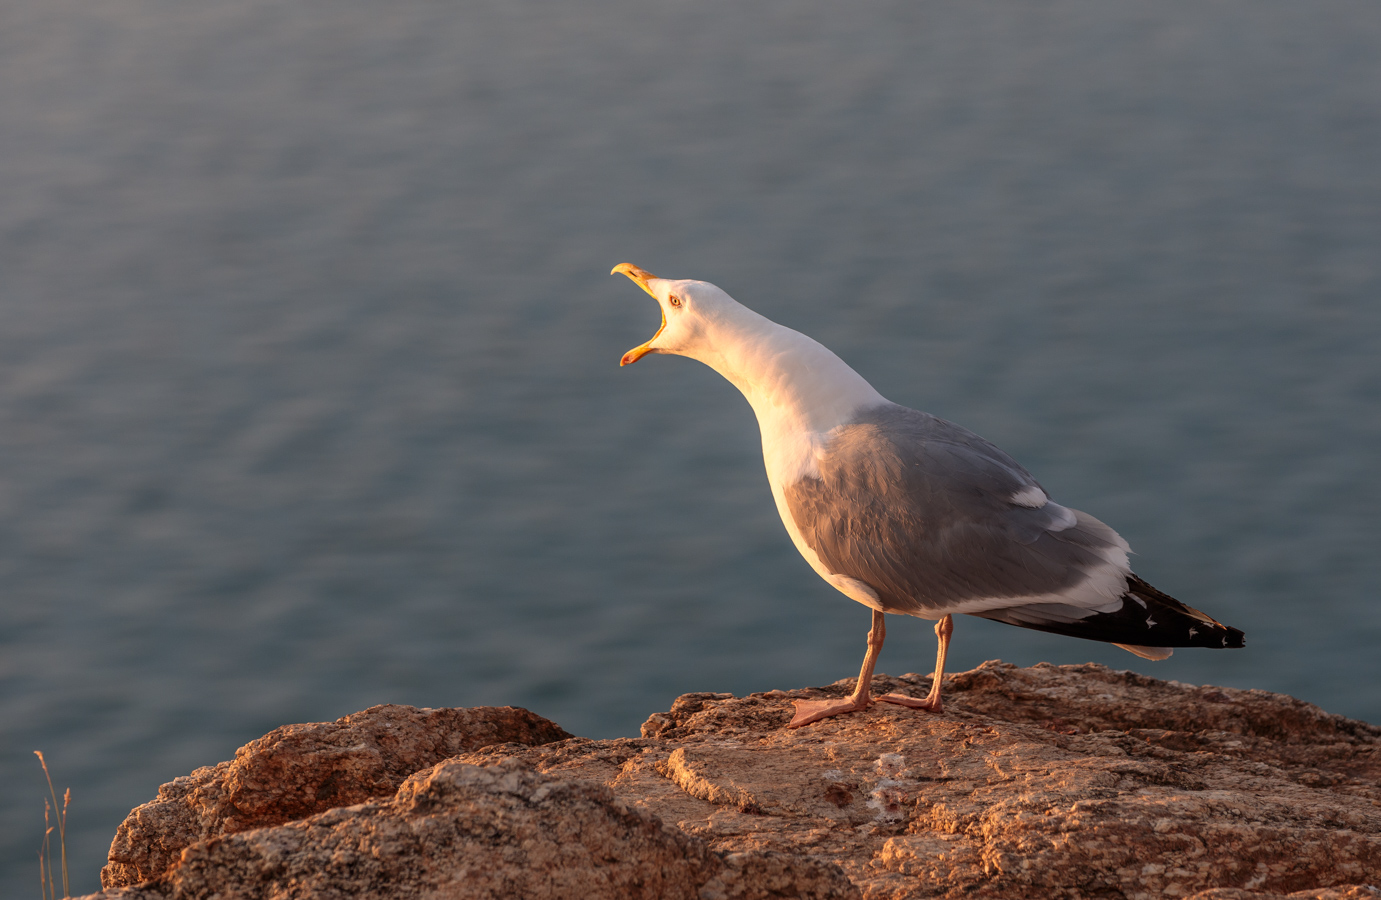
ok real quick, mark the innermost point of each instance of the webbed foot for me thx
(808, 711)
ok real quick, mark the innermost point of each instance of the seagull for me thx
(907, 513)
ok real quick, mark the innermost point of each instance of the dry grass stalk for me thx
(45, 856)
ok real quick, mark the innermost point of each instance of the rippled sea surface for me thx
(309, 396)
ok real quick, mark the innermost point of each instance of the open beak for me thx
(640, 277)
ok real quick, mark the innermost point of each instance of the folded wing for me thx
(937, 520)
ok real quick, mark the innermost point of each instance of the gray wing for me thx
(923, 512)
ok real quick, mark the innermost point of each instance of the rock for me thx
(298, 770)
(490, 833)
(1059, 782)
(1049, 781)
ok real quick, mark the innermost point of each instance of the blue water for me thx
(309, 396)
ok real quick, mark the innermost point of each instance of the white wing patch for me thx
(1064, 517)
(1033, 497)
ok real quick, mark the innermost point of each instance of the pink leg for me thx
(808, 711)
(943, 629)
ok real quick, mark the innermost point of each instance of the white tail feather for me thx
(1147, 652)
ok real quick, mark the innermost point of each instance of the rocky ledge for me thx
(1052, 781)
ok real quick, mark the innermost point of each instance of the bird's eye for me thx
(674, 300)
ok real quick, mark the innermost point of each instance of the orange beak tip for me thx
(639, 276)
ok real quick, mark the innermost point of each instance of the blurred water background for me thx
(309, 395)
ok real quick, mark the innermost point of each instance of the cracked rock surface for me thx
(299, 770)
(1069, 781)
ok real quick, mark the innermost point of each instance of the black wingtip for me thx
(1147, 618)
(1201, 629)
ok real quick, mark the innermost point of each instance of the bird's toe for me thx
(929, 704)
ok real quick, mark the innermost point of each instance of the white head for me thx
(780, 371)
(698, 319)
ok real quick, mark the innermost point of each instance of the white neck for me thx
(794, 384)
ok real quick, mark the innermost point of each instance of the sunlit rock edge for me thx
(1049, 781)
